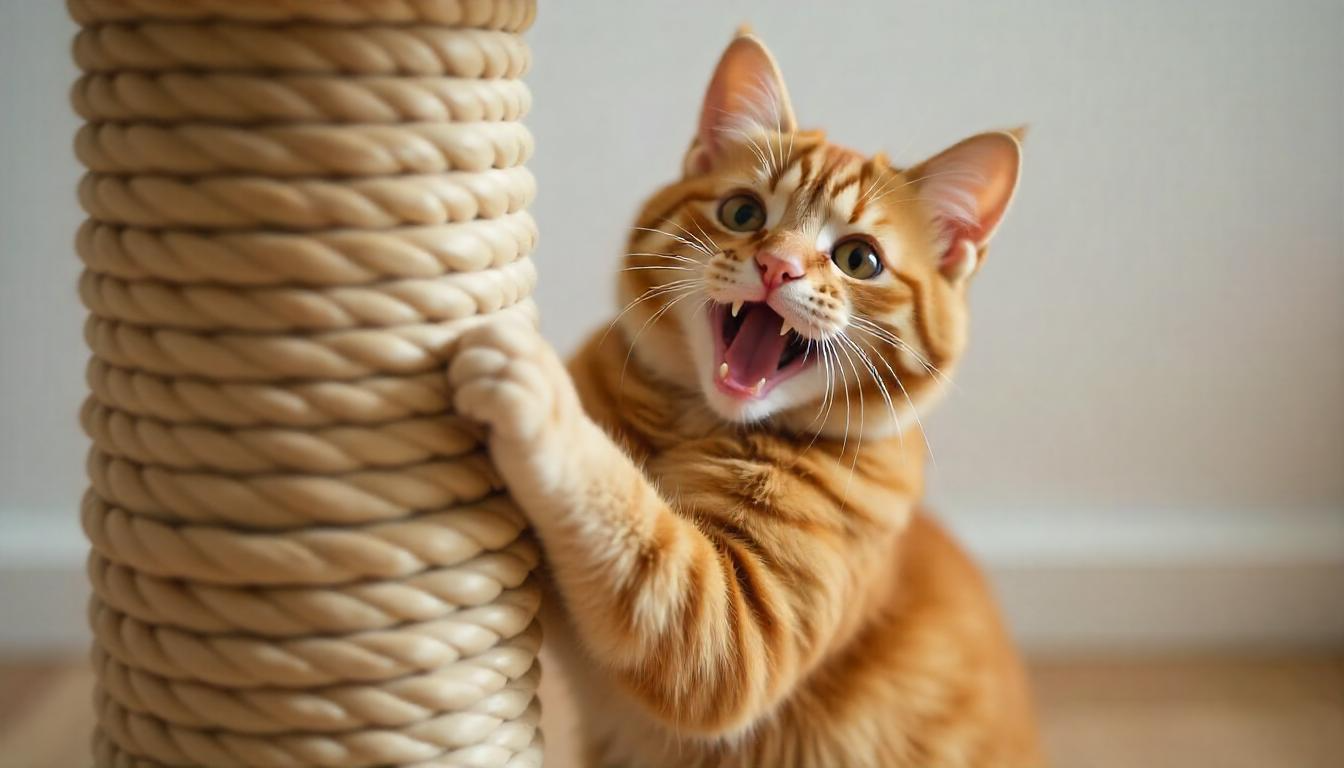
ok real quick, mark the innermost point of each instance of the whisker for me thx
(925, 177)
(659, 266)
(676, 237)
(765, 96)
(858, 447)
(652, 319)
(827, 396)
(928, 446)
(703, 233)
(656, 254)
(689, 234)
(750, 142)
(872, 369)
(882, 387)
(653, 292)
(873, 329)
(844, 379)
(812, 329)
(881, 184)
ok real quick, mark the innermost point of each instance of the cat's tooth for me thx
(737, 307)
(723, 371)
(784, 328)
(760, 387)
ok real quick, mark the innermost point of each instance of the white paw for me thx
(506, 376)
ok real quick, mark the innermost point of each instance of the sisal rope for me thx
(300, 556)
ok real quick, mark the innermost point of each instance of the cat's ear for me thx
(968, 188)
(746, 94)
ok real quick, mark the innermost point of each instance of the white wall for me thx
(1157, 370)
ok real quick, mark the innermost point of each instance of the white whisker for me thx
(652, 319)
(928, 446)
(703, 245)
(873, 329)
(872, 370)
(653, 292)
(655, 254)
(858, 446)
(828, 393)
(676, 237)
(713, 245)
(659, 266)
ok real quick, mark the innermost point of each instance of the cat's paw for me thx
(506, 376)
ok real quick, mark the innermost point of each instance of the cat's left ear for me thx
(968, 188)
(745, 95)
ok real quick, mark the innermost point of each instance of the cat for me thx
(727, 485)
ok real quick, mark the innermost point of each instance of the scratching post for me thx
(300, 556)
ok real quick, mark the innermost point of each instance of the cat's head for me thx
(790, 279)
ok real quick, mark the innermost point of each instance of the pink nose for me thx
(777, 268)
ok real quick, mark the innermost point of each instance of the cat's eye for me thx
(857, 258)
(742, 213)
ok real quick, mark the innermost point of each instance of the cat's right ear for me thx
(746, 95)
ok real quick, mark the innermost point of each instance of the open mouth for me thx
(753, 353)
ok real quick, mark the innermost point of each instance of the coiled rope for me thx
(300, 556)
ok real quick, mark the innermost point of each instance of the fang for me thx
(737, 307)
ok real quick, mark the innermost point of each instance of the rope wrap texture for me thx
(300, 555)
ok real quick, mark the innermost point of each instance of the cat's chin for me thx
(739, 409)
(800, 391)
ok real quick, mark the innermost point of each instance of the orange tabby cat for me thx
(727, 489)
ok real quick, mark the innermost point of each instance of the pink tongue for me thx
(754, 353)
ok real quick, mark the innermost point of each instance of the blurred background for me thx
(1146, 444)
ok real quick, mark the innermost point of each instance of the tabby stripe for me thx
(794, 159)
(921, 327)
(666, 213)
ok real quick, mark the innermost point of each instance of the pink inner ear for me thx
(745, 90)
(969, 188)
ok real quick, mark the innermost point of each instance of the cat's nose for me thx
(778, 268)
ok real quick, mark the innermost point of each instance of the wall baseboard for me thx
(1073, 582)
(1151, 580)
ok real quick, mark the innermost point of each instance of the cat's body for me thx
(917, 669)
(727, 485)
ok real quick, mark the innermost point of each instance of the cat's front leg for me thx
(693, 622)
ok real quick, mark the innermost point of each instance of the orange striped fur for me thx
(746, 579)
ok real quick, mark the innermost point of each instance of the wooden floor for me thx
(1168, 714)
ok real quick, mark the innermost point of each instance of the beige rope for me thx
(235, 202)
(340, 257)
(301, 150)
(242, 98)
(294, 611)
(220, 555)
(502, 634)
(107, 753)
(495, 736)
(286, 500)
(398, 302)
(399, 702)
(302, 404)
(301, 557)
(301, 49)
(510, 15)
(344, 354)
(269, 450)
